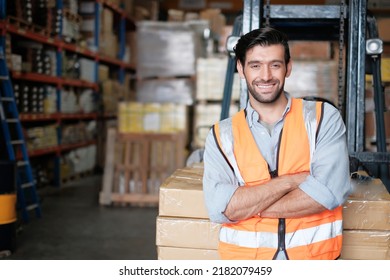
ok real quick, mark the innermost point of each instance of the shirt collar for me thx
(252, 116)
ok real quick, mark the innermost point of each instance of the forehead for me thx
(265, 53)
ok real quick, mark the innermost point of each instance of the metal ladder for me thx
(27, 197)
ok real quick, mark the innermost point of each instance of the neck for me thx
(270, 112)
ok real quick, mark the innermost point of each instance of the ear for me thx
(289, 68)
(240, 69)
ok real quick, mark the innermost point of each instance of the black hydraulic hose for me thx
(379, 104)
(379, 119)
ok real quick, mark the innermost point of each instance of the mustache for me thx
(261, 81)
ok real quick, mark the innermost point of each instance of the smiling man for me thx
(277, 172)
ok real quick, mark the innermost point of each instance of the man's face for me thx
(265, 71)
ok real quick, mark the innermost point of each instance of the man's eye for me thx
(275, 66)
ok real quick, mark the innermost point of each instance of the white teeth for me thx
(265, 86)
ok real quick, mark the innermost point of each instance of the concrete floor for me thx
(74, 226)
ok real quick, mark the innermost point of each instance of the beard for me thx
(269, 97)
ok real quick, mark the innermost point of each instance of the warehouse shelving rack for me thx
(9, 25)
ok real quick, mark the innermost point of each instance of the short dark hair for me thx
(266, 36)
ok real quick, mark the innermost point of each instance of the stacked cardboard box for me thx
(185, 232)
(183, 228)
(366, 212)
(210, 79)
(206, 115)
(108, 40)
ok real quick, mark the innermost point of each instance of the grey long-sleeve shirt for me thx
(329, 180)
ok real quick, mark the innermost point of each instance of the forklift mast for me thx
(356, 32)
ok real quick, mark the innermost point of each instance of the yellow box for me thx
(385, 69)
(168, 117)
(151, 117)
(135, 113)
(130, 117)
(103, 72)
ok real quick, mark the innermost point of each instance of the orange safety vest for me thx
(317, 236)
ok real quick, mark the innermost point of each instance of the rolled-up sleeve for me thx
(219, 182)
(329, 182)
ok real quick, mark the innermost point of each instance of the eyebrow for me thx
(259, 61)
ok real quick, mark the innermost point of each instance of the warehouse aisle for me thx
(75, 227)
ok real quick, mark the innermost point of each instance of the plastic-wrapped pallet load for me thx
(313, 78)
(183, 228)
(173, 90)
(165, 49)
(366, 222)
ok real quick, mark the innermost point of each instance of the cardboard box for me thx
(216, 19)
(109, 44)
(181, 195)
(173, 253)
(310, 50)
(206, 115)
(131, 42)
(107, 21)
(16, 62)
(103, 72)
(383, 30)
(365, 214)
(378, 5)
(372, 189)
(368, 207)
(187, 233)
(365, 245)
(210, 79)
(313, 78)
(128, 7)
(385, 70)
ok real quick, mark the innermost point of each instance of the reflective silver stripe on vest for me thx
(309, 115)
(250, 239)
(227, 142)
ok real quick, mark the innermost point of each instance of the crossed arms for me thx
(279, 197)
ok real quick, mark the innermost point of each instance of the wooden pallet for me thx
(136, 164)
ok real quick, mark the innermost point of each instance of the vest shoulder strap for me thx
(223, 135)
(312, 113)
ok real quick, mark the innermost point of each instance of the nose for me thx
(265, 74)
